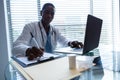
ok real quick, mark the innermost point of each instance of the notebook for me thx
(24, 62)
(91, 38)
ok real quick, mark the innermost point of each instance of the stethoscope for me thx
(52, 32)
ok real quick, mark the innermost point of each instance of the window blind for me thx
(103, 9)
(70, 16)
(20, 13)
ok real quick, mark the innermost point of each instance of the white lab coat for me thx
(24, 41)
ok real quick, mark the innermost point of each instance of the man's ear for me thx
(41, 13)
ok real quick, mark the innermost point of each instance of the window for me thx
(70, 17)
(21, 12)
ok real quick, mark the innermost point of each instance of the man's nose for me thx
(50, 15)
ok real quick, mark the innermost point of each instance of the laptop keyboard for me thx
(77, 49)
(69, 50)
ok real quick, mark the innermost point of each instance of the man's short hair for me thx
(47, 4)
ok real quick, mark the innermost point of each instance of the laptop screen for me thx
(92, 33)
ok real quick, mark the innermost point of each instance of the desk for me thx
(57, 69)
(95, 73)
(90, 74)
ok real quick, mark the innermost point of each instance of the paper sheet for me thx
(44, 57)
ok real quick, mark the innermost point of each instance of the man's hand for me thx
(75, 44)
(34, 52)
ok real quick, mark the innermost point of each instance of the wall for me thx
(4, 49)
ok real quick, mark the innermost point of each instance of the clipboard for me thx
(24, 62)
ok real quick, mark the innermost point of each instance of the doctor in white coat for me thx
(41, 36)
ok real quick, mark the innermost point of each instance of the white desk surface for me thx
(57, 69)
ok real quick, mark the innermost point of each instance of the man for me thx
(41, 36)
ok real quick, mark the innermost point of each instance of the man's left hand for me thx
(75, 44)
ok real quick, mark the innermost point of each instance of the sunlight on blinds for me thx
(103, 9)
(22, 12)
(70, 17)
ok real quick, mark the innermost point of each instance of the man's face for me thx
(48, 14)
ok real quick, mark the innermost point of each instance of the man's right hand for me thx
(34, 52)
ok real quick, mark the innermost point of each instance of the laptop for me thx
(91, 38)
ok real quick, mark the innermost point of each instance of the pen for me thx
(34, 40)
(36, 44)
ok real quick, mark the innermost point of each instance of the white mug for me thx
(72, 61)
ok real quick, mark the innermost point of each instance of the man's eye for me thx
(48, 12)
(52, 13)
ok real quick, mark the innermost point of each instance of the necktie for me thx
(48, 46)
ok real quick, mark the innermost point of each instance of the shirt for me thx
(24, 41)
